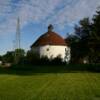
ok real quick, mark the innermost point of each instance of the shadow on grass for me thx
(34, 70)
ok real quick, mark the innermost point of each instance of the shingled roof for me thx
(49, 38)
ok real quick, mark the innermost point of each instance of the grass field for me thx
(49, 86)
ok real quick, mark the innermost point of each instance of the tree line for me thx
(84, 43)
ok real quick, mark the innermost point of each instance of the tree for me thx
(79, 41)
(96, 25)
(95, 39)
(89, 33)
(0, 58)
(19, 55)
(8, 57)
(32, 57)
(73, 40)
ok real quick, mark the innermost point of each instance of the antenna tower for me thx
(17, 42)
(18, 34)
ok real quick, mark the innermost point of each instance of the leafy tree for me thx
(96, 25)
(32, 57)
(19, 55)
(95, 39)
(8, 57)
(79, 41)
(72, 41)
(0, 57)
(21, 52)
(89, 42)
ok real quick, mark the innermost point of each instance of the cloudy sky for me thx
(36, 15)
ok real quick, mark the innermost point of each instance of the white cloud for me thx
(74, 12)
(27, 10)
(62, 13)
(59, 12)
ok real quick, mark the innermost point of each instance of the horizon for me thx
(35, 16)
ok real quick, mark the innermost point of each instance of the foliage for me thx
(88, 36)
(96, 25)
(8, 57)
(13, 56)
(95, 40)
(34, 58)
(20, 52)
(0, 58)
(82, 45)
(19, 55)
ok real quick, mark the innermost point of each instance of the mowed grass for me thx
(50, 86)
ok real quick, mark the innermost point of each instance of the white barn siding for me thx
(53, 51)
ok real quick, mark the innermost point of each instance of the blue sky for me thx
(36, 15)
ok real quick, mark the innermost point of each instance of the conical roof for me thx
(49, 38)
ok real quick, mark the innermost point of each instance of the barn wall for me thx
(53, 51)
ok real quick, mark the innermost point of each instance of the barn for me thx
(51, 45)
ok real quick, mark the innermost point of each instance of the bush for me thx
(34, 59)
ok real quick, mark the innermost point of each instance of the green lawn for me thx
(50, 86)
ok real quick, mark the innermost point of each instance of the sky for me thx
(36, 15)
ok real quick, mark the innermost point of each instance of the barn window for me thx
(47, 49)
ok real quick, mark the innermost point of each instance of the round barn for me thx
(51, 45)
